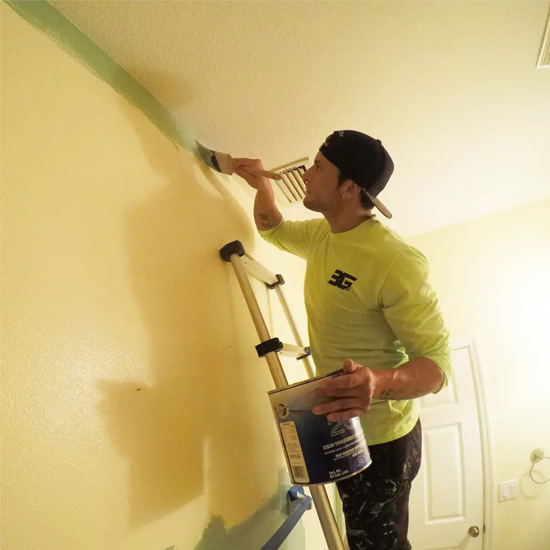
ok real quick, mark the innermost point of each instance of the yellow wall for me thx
(134, 413)
(134, 407)
(493, 279)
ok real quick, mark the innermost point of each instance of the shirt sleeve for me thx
(411, 308)
(295, 237)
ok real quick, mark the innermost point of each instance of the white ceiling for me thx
(450, 87)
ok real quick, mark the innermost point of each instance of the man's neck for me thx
(342, 220)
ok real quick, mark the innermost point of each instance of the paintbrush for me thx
(223, 162)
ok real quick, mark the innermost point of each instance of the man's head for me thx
(348, 163)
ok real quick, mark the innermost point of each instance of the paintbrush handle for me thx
(268, 174)
(226, 163)
(264, 173)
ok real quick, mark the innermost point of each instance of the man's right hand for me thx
(266, 213)
(247, 169)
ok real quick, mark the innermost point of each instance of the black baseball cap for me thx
(363, 159)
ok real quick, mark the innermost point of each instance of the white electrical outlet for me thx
(507, 490)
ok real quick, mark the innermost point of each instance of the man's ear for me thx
(351, 188)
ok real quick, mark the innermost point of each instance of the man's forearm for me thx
(266, 213)
(414, 379)
(355, 389)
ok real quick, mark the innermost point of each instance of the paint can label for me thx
(317, 451)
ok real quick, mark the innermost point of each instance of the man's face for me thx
(322, 190)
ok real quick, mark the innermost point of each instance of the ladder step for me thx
(259, 272)
(274, 344)
(295, 351)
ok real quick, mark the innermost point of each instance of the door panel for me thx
(447, 496)
(448, 504)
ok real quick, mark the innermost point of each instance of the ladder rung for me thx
(274, 344)
(295, 351)
(253, 268)
(258, 271)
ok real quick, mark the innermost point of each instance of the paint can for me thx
(317, 451)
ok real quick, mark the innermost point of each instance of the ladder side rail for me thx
(273, 361)
(284, 304)
(326, 517)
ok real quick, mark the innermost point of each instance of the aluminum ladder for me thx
(269, 348)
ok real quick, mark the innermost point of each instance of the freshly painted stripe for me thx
(47, 19)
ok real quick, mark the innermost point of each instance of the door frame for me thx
(487, 466)
(470, 343)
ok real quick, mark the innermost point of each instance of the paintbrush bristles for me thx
(224, 163)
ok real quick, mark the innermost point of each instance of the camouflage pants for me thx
(376, 501)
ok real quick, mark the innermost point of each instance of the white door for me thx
(447, 496)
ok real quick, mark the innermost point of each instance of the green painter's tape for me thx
(46, 18)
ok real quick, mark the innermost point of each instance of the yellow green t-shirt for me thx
(367, 297)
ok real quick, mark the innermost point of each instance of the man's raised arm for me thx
(266, 213)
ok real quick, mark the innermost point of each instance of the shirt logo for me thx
(342, 280)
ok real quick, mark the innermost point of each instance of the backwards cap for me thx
(363, 159)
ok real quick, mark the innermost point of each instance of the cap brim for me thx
(380, 206)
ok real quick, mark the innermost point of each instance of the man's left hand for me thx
(353, 389)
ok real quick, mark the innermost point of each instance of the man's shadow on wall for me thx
(199, 362)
